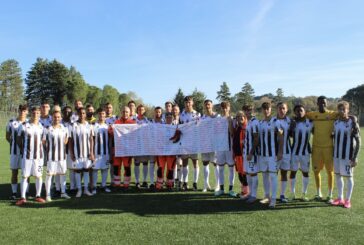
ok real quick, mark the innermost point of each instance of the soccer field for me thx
(179, 217)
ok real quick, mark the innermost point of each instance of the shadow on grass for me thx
(145, 203)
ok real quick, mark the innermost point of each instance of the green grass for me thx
(166, 218)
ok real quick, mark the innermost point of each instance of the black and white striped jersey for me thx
(285, 124)
(12, 129)
(301, 138)
(101, 137)
(55, 138)
(251, 129)
(215, 115)
(268, 137)
(32, 140)
(143, 120)
(110, 120)
(344, 143)
(81, 135)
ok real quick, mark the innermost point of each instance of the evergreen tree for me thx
(179, 99)
(224, 93)
(246, 95)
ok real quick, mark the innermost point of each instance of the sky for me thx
(154, 47)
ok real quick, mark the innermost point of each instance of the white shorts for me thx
(343, 167)
(32, 168)
(15, 162)
(208, 157)
(141, 159)
(56, 168)
(268, 164)
(81, 163)
(192, 156)
(285, 163)
(251, 167)
(101, 162)
(223, 157)
(300, 162)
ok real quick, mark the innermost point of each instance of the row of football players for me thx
(267, 140)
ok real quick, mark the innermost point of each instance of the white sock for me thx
(14, 188)
(38, 186)
(283, 187)
(94, 178)
(48, 184)
(196, 173)
(221, 175)
(57, 182)
(175, 172)
(86, 180)
(340, 186)
(254, 186)
(206, 174)
(231, 176)
(72, 177)
(350, 187)
(145, 172)
(78, 180)
(305, 184)
(274, 184)
(62, 179)
(266, 186)
(179, 173)
(103, 177)
(217, 175)
(151, 172)
(23, 187)
(293, 185)
(136, 173)
(185, 174)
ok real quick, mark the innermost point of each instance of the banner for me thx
(201, 136)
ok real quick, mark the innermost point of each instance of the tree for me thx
(246, 95)
(198, 98)
(37, 82)
(224, 93)
(58, 76)
(111, 95)
(179, 99)
(356, 97)
(78, 89)
(11, 85)
(279, 96)
(93, 96)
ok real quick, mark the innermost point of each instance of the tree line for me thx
(58, 84)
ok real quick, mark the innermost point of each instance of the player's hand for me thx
(279, 156)
(353, 163)
(92, 157)
(249, 157)
(73, 158)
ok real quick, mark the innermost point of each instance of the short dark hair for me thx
(168, 114)
(247, 107)
(224, 104)
(298, 106)
(81, 109)
(100, 110)
(207, 101)
(158, 108)
(281, 103)
(168, 102)
(322, 97)
(188, 98)
(35, 108)
(23, 107)
(66, 107)
(266, 105)
(89, 105)
(45, 101)
(107, 103)
(131, 102)
(139, 106)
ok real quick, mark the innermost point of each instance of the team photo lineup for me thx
(78, 143)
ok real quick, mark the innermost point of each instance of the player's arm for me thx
(357, 139)
(292, 128)
(280, 143)
(71, 148)
(20, 139)
(8, 133)
(92, 146)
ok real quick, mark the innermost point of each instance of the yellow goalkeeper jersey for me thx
(323, 124)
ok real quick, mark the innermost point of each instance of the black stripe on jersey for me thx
(264, 150)
(104, 141)
(305, 144)
(269, 144)
(98, 138)
(276, 143)
(35, 145)
(299, 143)
(88, 149)
(351, 152)
(29, 138)
(247, 144)
(338, 144)
(345, 142)
(288, 144)
(228, 134)
(59, 148)
(53, 149)
(78, 146)
(12, 138)
(294, 143)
